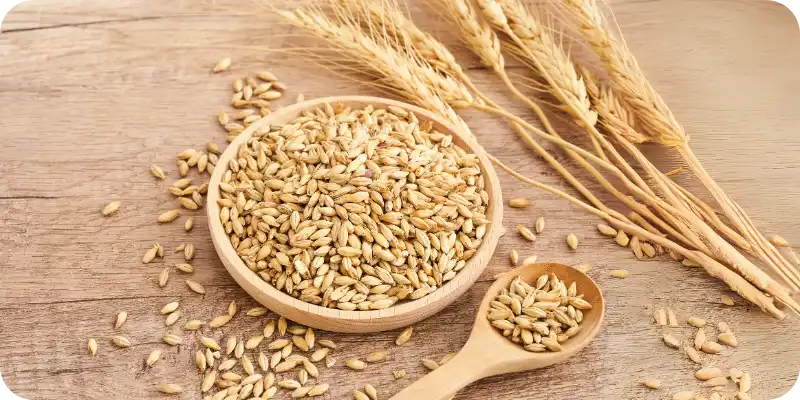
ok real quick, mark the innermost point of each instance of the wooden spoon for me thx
(488, 353)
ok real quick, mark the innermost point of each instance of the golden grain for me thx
(622, 239)
(222, 65)
(169, 388)
(195, 287)
(572, 241)
(172, 339)
(519, 203)
(153, 357)
(672, 341)
(111, 208)
(620, 273)
(120, 319)
(188, 252)
(121, 341)
(157, 172)
(652, 383)
(163, 277)
(727, 300)
(403, 338)
(606, 230)
(539, 226)
(355, 364)
(526, 233)
(711, 347)
(169, 216)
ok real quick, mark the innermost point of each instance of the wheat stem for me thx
(711, 266)
(628, 79)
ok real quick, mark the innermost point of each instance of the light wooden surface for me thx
(488, 354)
(398, 316)
(93, 91)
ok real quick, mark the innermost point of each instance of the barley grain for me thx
(728, 339)
(539, 225)
(195, 287)
(188, 252)
(671, 341)
(514, 258)
(256, 312)
(170, 307)
(620, 273)
(526, 233)
(121, 341)
(711, 348)
(194, 325)
(163, 277)
(149, 255)
(359, 395)
(153, 357)
(696, 322)
(183, 267)
(172, 318)
(673, 320)
(652, 383)
(519, 202)
(430, 364)
(622, 239)
(169, 388)
(727, 300)
(157, 172)
(377, 356)
(222, 65)
(707, 373)
(403, 338)
(120, 319)
(572, 241)
(530, 260)
(111, 208)
(92, 347)
(371, 391)
(171, 339)
(355, 364)
(699, 338)
(169, 216)
(606, 230)
(692, 353)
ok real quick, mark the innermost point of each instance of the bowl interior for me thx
(401, 314)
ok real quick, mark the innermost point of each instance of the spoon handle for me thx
(443, 382)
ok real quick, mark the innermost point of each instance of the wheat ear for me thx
(628, 79)
(351, 40)
(694, 228)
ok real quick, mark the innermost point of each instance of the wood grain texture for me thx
(92, 92)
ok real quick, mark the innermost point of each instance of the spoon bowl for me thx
(487, 352)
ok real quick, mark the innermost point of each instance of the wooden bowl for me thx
(400, 315)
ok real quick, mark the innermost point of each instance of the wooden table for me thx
(93, 92)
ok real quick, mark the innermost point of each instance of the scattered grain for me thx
(222, 65)
(620, 273)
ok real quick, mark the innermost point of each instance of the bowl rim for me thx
(467, 276)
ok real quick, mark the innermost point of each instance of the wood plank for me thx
(93, 93)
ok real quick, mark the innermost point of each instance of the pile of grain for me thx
(354, 209)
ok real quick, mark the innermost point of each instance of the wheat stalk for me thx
(694, 228)
(659, 122)
(387, 62)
